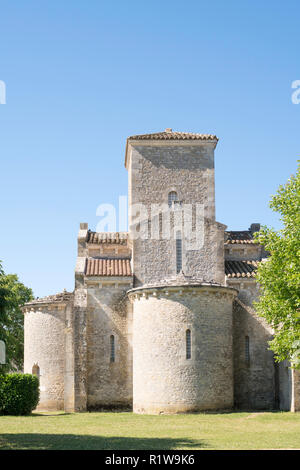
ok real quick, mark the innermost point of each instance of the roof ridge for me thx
(237, 231)
(169, 134)
(239, 236)
(107, 237)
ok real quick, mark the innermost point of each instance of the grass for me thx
(127, 431)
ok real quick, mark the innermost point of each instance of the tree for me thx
(279, 275)
(13, 295)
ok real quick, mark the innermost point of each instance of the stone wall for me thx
(44, 346)
(164, 380)
(254, 380)
(285, 384)
(109, 313)
(295, 406)
(69, 378)
(79, 326)
(243, 252)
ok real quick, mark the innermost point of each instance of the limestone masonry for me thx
(161, 318)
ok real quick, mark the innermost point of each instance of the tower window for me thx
(178, 252)
(247, 350)
(112, 348)
(188, 344)
(172, 197)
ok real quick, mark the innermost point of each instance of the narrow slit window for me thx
(172, 197)
(149, 228)
(247, 349)
(160, 223)
(178, 252)
(112, 349)
(188, 344)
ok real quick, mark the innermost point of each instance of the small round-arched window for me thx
(36, 370)
(172, 197)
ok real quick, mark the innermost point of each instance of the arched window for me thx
(112, 348)
(247, 350)
(36, 370)
(188, 344)
(178, 252)
(172, 197)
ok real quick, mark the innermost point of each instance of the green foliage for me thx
(19, 394)
(13, 295)
(279, 276)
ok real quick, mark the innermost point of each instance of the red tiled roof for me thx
(108, 267)
(243, 237)
(168, 134)
(117, 238)
(238, 269)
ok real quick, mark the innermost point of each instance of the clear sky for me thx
(81, 76)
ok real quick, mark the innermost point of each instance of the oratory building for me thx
(161, 318)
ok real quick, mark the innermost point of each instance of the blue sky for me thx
(81, 76)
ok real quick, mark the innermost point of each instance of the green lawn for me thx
(115, 431)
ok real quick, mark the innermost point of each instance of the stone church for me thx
(161, 318)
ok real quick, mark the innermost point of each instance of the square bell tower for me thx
(172, 224)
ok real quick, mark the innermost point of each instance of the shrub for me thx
(19, 394)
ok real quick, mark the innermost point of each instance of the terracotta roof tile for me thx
(108, 267)
(116, 238)
(168, 134)
(237, 269)
(244, 236)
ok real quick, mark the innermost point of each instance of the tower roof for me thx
(169, 134)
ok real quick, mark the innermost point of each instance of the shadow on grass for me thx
(84, 442)
(235, 411)
(54, 414)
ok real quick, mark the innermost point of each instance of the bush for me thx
(19, 394)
